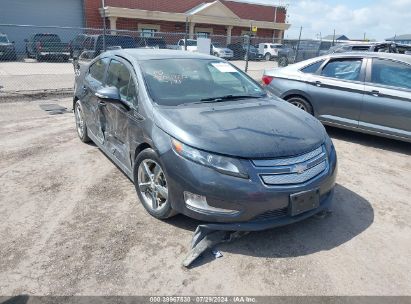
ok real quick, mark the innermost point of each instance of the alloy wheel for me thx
(299, 105)
(79, 121)
(152, 185)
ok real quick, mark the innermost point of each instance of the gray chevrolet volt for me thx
(199, 137)
(367, 92)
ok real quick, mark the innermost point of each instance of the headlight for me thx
(222, 164)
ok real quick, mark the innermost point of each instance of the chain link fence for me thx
(44, 61)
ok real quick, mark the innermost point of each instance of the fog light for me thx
(198, 203)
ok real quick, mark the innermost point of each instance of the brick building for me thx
(203, 17)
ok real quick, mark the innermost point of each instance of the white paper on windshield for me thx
(224, 67)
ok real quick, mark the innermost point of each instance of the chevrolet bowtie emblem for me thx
(300, 168)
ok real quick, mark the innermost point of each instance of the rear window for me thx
(156, 42)
(360, 48)
(47, 38)
(125, 42)
(312, 68)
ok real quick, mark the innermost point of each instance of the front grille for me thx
(294, 178)
(292, 170)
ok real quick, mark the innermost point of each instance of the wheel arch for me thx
(299, 94)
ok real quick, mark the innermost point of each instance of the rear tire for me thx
(151, 185)
(39, 58)
(282, 61)
(301, 103)
(81, 126)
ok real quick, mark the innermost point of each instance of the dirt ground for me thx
(71, 224)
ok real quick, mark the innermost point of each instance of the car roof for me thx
(150, 54)
(394, 56)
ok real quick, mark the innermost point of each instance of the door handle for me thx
(375, 93)
(318, 83)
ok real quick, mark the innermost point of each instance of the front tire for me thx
(301, 103)
(267, 57)
(151, 185)
(81, 126)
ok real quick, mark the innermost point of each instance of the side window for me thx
(312, 68)
(391, 73)
(97, 69)
(346, 69)
(119, 76)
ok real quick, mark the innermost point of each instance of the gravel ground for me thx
(72, 224)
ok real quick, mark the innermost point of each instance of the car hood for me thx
(254, 128)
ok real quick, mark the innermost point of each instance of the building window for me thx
(202, 34)
(148, 32)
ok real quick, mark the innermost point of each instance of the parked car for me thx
(204, 139)
(191, 45)
(7, 49)
(368, 92)
(151, 42)
(269, 50)
(307, 49)
(219, 50)
(76, 45)
(240, 52)
(384, 47)
(286, 55)
(94, 44)
(46, 47)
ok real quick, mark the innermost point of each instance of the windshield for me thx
(174, 82)
(3, 39)
(217, 44)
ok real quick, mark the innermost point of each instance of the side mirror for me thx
(111, 95)
(13, 42)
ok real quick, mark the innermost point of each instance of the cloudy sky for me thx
(377, 18)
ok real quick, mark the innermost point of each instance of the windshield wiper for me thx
(228, 97)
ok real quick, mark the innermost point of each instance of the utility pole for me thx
(104, 25)
(185, 35)
(334, 38)
(298, 45)
(364, 36)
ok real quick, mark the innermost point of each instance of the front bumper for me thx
(260, 206)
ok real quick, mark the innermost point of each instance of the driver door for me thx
(122, 120)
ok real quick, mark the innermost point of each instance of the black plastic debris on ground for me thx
(53, 109)
(206, 237)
